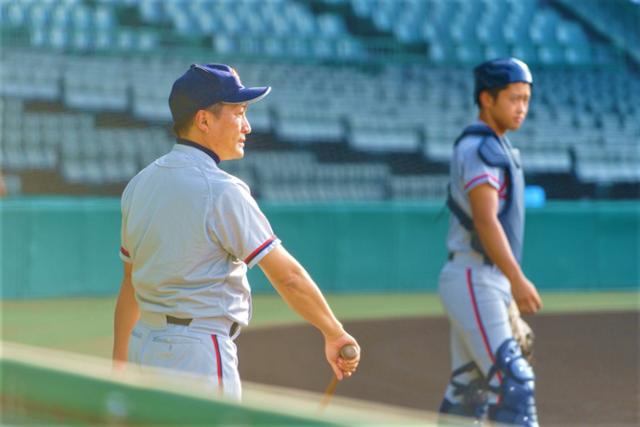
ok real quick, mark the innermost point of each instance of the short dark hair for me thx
(494, 92)
(181, 127)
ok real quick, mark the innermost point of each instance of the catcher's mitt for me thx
(522, 332)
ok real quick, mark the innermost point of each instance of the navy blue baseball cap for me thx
(204, 85)
(499, 73)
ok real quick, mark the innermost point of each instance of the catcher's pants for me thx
(204, 348)
(476, 297)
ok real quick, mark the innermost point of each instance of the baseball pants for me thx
(476, 297)
(204, 348)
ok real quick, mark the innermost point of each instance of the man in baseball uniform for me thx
(189, 233)
(483, 274)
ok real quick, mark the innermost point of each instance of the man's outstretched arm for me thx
(300, 292)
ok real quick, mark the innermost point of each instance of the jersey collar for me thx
(195, 145)
(503, 139)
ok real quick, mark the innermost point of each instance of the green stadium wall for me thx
(69, 246)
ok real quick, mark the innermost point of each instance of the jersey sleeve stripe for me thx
(262, 247)
(124, 252)
(489, 177)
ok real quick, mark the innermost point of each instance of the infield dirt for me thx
(587, 365)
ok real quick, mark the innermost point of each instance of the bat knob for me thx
(349, 352)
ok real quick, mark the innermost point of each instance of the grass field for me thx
(84, 325)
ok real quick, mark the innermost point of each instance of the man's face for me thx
(510, 107)
(228, 130)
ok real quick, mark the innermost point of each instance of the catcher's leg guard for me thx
(516, 404)
(474, 397)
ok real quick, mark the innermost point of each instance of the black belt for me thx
(186, 322)
(178, 321)
(232, 330)
(485, 259)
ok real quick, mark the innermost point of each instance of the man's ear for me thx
(486, 100)
(200, 120)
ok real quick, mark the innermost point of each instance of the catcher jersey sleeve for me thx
(240, 226)
(474, 172)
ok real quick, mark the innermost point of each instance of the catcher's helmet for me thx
(499, 73)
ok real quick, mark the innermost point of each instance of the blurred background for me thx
(368, 95)
(348, 155)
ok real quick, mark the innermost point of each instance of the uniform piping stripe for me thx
(503, 187)
(214, 338)
(124, 251)
(476, 312)
(255, 253)
(479, 177)
(502, 191)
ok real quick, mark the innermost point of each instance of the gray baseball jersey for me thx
(466, 173)
(191, 230)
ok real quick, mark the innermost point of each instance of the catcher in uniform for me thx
(189, 233)
(490, 374)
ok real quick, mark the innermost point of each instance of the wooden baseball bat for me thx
(347, 352)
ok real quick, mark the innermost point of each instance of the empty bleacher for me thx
(340, 123)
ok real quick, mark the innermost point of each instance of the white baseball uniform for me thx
(190, 230)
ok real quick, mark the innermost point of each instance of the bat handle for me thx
(349, 352)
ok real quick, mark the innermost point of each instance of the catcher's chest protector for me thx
(498, 152)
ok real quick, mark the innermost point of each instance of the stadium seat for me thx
(526, 52)
(16, 15)
(39, 16)
(301, 131)
(363, 8)
(441, 53)
(550, 54)
(543, 28)
(72, 171)
(152, 12)
(470, 53)
(419, 187)
(496, 49)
